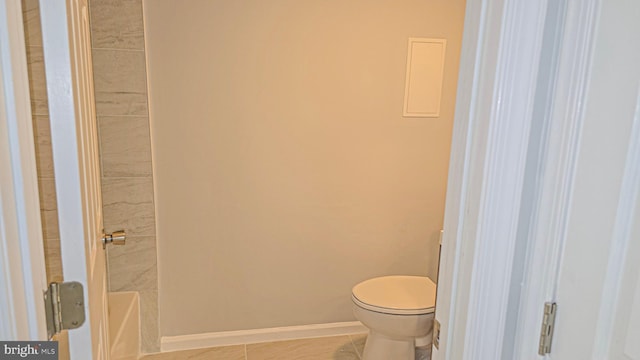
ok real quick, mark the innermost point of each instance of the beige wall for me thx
(284, 171)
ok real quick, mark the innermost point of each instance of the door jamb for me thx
(22, 267)
(495, 106)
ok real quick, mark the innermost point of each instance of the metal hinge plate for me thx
(64, 307)
(546, 332)
(436, 333)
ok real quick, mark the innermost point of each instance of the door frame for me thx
(523, 78)
(22, 266)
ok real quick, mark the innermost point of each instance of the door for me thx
(67, 58)
(598, 286)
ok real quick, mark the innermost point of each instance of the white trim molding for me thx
(558, 160)
(523, 82)
(197, 341)
(496, 91)
(22, 268)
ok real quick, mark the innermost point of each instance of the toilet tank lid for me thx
(397, 292)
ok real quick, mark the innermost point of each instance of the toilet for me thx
(399, 311)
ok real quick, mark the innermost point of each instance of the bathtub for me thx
(124, 325)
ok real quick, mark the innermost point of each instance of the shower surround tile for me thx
(149, 329)
(44, 155)
(128, 204)
(133, 267)
(117, 24)
(125, 146)
(53, 260)
(48, 208)
(32, 28)
(120, 82)
(37, 81)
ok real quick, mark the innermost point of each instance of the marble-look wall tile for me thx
(49, 208)
(53, 260)
(44, 156)
(150, 333)
(37, 81)
(117, 24)
(31, 18)
(133, 267)
(120, 82)
(125, 146)
(128, 204)
(63, 345)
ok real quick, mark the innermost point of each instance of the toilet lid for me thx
(402, 295)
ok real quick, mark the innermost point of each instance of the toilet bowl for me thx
(399, 311)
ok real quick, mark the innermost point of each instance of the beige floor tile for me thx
(358, 342)
(329, 348)
(217, 353)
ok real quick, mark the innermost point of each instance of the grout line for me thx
(126, 177)
(355, 347)
(116, 49)
(127, 115)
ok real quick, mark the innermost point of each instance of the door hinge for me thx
(436, 333)
(546, 332)
(64, 306)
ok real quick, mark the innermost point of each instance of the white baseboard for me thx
(198, 341)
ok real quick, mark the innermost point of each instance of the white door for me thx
(67, 58)
(598, 288)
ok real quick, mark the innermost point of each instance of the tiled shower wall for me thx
(125, 150)
(120, 81)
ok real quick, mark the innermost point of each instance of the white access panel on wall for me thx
(425, 67)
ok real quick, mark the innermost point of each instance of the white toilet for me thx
(399, 311)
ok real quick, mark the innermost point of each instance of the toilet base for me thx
(380, 347)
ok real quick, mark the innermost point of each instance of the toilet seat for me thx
(396, 295)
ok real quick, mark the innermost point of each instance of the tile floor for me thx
(347, 347)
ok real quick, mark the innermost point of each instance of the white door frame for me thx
(523, 78)
(502, 43)
(22, 267)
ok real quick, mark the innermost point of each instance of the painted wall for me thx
(284, 170)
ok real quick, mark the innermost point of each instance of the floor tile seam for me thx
(355, 347)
